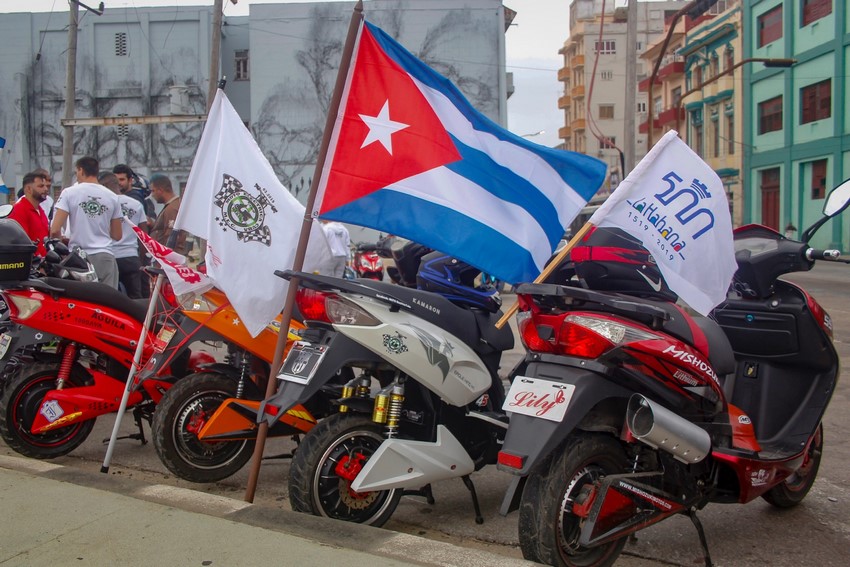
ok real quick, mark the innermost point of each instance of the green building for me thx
(797, 140)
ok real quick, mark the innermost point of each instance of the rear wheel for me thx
(797, 486)
(179, 417)
(328, 460)
(20, 403)
(548, 529)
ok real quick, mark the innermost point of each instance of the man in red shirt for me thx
(28, 212)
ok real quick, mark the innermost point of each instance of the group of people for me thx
(90, 215)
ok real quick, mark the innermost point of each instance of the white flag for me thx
(182, 278)
(251, 223)
(676, 205)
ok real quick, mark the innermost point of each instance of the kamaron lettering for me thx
(12, 266)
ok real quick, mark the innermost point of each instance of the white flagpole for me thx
(137, 357)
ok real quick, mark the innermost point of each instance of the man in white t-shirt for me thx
(339, 242)
(94, 219)
(127, 250)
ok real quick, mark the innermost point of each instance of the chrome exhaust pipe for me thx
(660, 428)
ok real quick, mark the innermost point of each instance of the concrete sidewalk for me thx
(54, 515)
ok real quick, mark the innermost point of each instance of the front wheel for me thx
(797, 486)
(328, 460)
(548, 529)
(20, 403)
(179, 417)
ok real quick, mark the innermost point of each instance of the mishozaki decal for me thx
(692, 359)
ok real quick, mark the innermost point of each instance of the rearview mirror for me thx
(5, 210)
(837, 200)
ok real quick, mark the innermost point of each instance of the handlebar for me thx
(814, 254)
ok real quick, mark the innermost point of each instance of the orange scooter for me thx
(185, 409)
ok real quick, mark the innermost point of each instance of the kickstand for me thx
(479, 519)
(424, 492)
(692, 513)
(140, 436)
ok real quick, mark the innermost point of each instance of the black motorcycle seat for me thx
(94, 292)
(720, 353)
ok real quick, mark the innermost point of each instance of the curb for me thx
(344, 535)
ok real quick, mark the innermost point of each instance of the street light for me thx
(532, 134)
(777, 63)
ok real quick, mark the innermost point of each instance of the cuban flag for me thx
(410, 156)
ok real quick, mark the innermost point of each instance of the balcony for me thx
(577, 125)
(577, 91)
(577, 61)
(669, 116)
(564, 101)
(644, 126)
(564, 132)
(670, 70)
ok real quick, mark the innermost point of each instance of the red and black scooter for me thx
(630, 411)
(367, 262)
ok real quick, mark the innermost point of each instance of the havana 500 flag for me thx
(675, 204)
(409, 155)
(234, 200)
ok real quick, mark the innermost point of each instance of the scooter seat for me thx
(720, 352)
(102, 294)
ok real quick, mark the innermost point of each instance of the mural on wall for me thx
(289, 112)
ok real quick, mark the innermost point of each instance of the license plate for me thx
(5, 341)
(539, 398)
(301, 362)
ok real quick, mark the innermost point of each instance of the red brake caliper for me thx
(197, 422)
(348, 467)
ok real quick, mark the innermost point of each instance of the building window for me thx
(121, 44)
(676, 94)
(813, 10)
(606, 75)
(696, 143)
(715, 132)
(770, 115)
(816, 102)
(770, 26)
(608, 143)
(606, 47)
(641, 107)
(241, 71)
(715, 65)
(730, 134)
(606, 111)
(729, 55)
(770, 197)
(123, 129)
(697, 75)
(819, 179)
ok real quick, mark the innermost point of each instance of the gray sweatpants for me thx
(105, 267)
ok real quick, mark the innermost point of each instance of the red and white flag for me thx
(181, 277)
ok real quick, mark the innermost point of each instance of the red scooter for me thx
(367, 263)
(629, 410)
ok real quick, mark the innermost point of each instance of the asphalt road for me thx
(815, 533)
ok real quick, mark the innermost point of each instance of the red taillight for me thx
(511, 461)
(577, 340)
(311, 303)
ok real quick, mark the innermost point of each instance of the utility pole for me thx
(215, 51)
(70, 95)
(631, 89)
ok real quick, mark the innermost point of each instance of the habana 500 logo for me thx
(673, 236)
(242, 212)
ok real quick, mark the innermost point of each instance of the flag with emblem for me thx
(410, 156)
(676, 205)
(251, 223)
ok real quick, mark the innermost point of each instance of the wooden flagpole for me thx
(549, 269)
(301, 249)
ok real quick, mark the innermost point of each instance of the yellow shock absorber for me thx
(382, 401)
(394, 409)
(348, 392)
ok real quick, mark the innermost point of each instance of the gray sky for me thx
(539, 30)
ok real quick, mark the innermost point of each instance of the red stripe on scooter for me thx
(700, 341)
